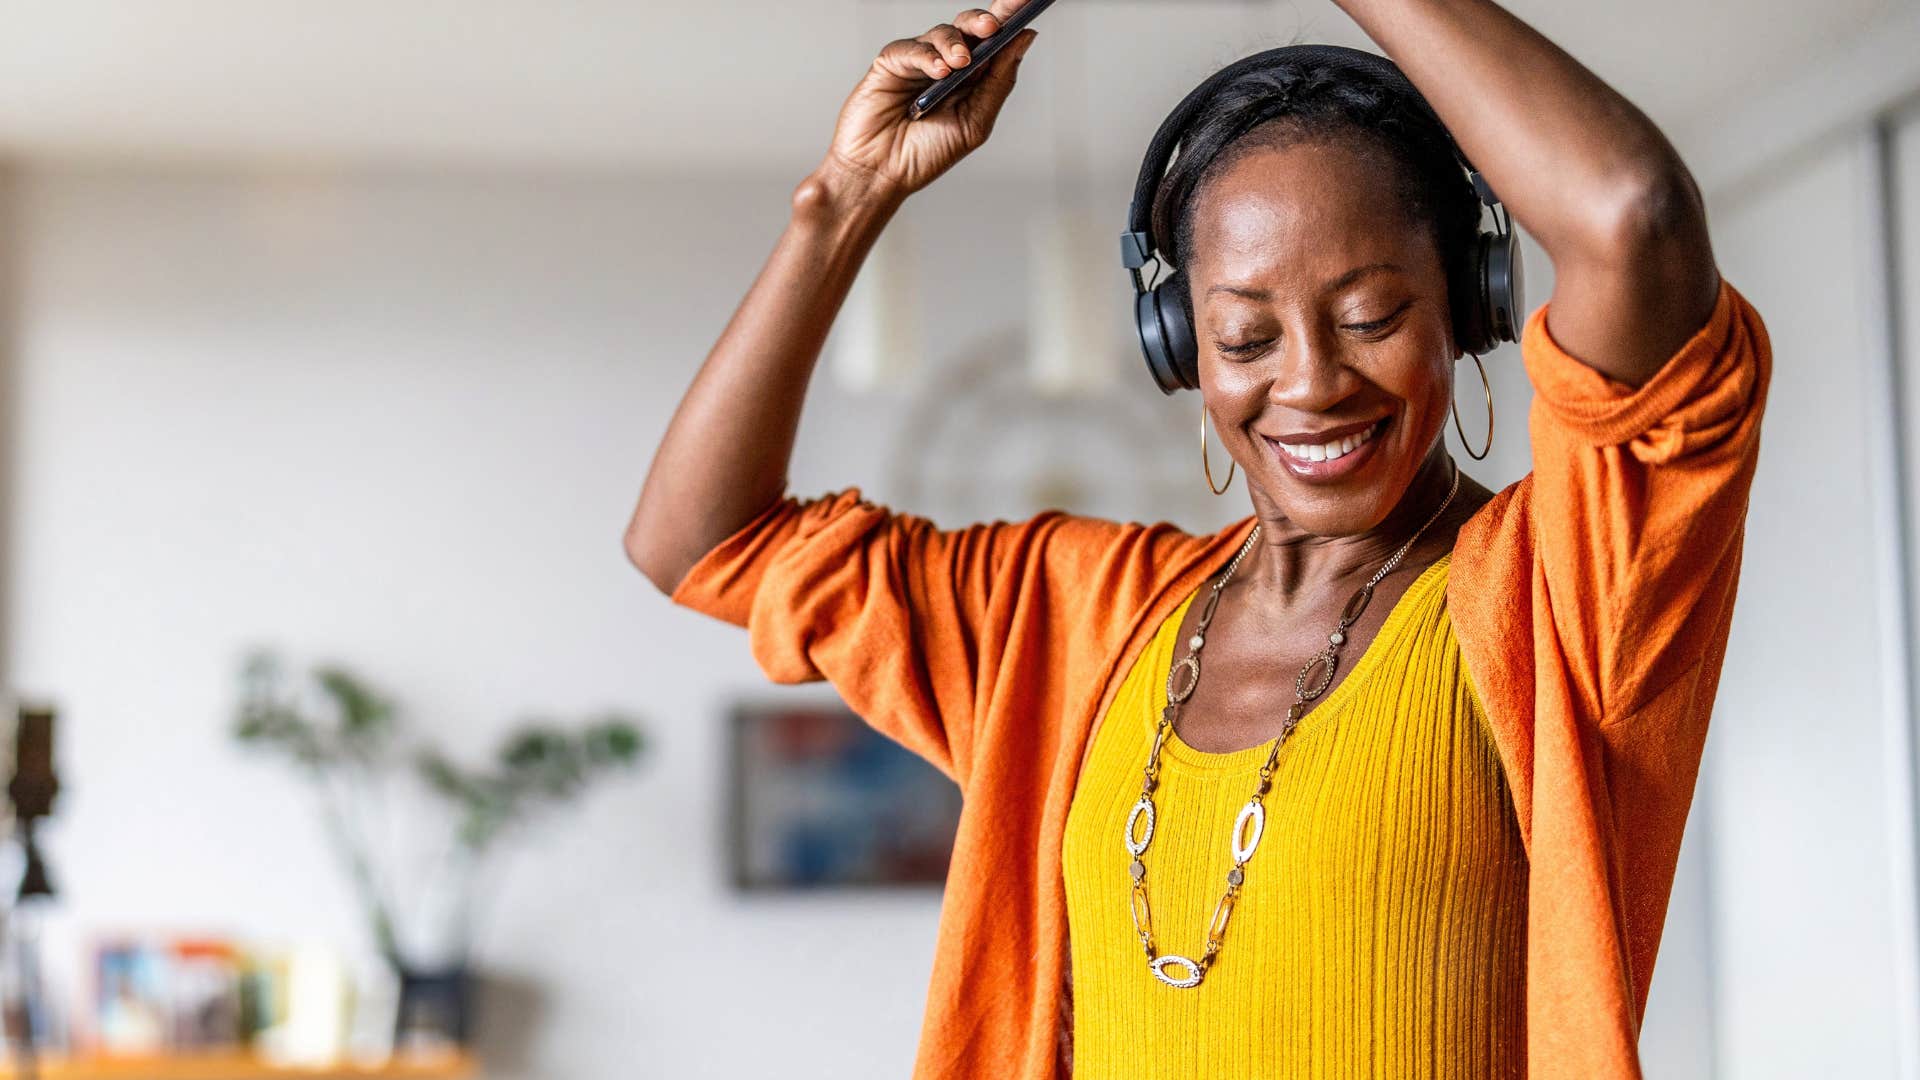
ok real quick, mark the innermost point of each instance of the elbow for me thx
(1653, 220)
(645, 556)
(1657, 234)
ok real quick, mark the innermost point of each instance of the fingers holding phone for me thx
(981, 53)
(875, 131)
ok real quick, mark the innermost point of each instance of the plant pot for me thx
(435, 1011)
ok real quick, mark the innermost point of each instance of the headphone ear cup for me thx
(1505, 304)
(1488, 304)
(1166, 335)
(1173, 300)
(1471, 324)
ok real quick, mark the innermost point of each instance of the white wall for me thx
(1900, 248)
(1801, 897)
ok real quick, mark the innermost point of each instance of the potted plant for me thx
(346, 738)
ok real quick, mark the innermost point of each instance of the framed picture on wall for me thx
(819, 799)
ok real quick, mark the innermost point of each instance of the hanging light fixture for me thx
(1074, 317)
(876, 340)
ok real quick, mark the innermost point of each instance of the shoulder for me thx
(1095, 552)
(1473, 524)
(1489, 589)
(1492, 522)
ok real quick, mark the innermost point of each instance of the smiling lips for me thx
(1342, 451)
(1348, 440)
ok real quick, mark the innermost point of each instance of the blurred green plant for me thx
(348, 740)
(538, 763)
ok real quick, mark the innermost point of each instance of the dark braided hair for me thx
(1307, 100)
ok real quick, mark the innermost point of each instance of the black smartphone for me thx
(979, 55)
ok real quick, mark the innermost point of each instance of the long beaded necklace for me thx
(1252, 820)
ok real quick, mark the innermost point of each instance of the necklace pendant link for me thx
(1247, 829)
(1356, 604)
(1327, 661)
(1213, 604)
(1217, 929)
(1190, 664)
(1188, 981)
(1138, 847)
(1142, 912)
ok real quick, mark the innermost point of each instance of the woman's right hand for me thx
(873, 135)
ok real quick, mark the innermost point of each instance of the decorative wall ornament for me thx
(976, 444)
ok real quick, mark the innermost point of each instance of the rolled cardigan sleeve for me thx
(910, 622)
(1640, 499)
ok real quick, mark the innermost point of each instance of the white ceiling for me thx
(749, 86)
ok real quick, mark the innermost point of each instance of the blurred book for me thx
(132, 1015)
(297, 1006)
(203, 992)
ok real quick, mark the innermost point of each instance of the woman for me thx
(1419, 816)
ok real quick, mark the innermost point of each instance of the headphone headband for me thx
(1138, 244)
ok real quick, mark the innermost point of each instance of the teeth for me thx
(1330, 450)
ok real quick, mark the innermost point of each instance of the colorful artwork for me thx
(133, 1013)
(821, 799)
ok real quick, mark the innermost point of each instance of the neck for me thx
(1288, 563)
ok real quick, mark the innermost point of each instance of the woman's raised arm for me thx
(725, 454)
(1587, 174)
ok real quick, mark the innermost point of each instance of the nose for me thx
(1310, 375)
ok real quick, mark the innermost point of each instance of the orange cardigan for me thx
(1591, 600)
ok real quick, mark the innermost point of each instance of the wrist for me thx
(837, 188)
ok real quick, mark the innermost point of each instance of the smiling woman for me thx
(1460, 866)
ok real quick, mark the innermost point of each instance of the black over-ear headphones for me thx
(1486, 286)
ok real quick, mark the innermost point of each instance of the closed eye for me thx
(1377, 325)
(1236, 350)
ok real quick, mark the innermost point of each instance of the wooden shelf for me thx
(237, 1066)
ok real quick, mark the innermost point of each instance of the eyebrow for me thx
(1335, 285)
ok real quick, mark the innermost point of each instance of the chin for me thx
(1347, 514)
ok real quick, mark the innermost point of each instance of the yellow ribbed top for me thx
(1381, 929)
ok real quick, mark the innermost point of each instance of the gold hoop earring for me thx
(1208, 465)
(1488, 447)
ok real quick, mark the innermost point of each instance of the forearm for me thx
(1582, 169)
(725, 454)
